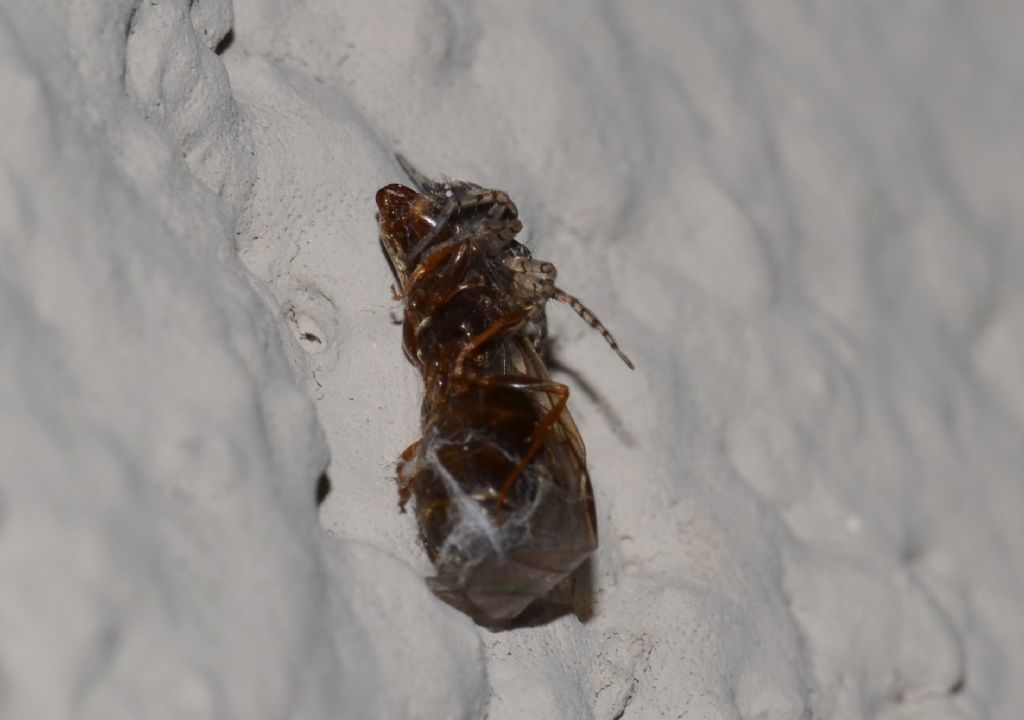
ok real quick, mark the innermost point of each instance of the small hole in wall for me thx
(323, 488)
(308, 332)
(225, 42)
(313, 320)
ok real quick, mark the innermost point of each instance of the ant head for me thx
(410, 222)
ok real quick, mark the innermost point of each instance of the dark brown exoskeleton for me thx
(503, 497)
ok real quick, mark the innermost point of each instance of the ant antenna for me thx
(421, 181)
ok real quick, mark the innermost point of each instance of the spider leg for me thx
(535, 277)
(502, 216)
(590, 319)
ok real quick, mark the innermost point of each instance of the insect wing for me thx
(576, 528)
(524, 360)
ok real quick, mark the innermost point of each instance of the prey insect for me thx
(499, 476)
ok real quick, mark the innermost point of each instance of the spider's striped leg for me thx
(590, 319)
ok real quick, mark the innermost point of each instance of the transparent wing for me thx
(564, 444)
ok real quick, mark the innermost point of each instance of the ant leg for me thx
(590, 319)
(428, 265)
(540, 435)
(450, 283)
(404, 481)
(498, 326)
(474, 282)
(446, 286)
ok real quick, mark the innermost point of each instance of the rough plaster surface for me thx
(803, 222)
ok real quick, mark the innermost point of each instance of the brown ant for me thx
(503, 497)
